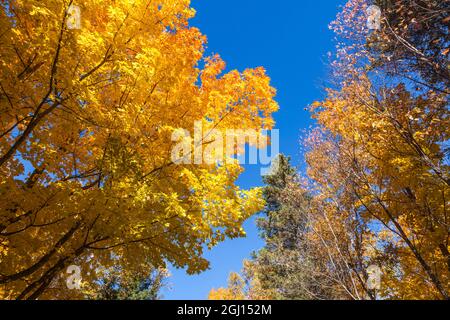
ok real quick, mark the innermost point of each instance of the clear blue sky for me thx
(290, 39)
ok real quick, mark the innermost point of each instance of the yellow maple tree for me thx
(86, 120)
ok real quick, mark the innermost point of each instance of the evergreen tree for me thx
(286, 265)
(118, 284)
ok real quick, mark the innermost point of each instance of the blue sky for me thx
(290, 39)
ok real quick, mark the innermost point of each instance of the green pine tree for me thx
(118, 284)
(286, 264)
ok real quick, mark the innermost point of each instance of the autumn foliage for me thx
(86, 119)
(376, 189)
(88, 110)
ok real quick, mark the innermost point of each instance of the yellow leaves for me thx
(126, 84)
(40, 10)
(213, 67)
(402, 164)
(220, 200)
(254, 201)
(243, 287)
(16, 31)
(419, 135)
(148, 58)
(173, 204)
(4, 248)
(116, 13)
(234, 291)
